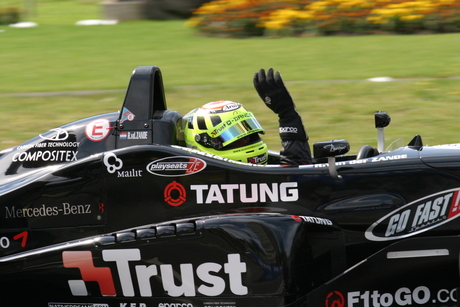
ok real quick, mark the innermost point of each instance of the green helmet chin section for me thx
(256, 153)
(226, 129)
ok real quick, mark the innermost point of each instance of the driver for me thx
(225, 128)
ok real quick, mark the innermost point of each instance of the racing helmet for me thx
(226, 129)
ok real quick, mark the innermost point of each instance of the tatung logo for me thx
(416, 217)
(208, 279)
(112, 162)
(180, 194)
(312, 219)
(245, 193)
(175, 193)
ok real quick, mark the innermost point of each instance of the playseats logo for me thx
(176, 166)
(207, 283)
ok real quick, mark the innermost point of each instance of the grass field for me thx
(59, 56)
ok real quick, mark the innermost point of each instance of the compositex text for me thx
(46, 156)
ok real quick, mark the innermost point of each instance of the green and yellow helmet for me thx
(226, 129)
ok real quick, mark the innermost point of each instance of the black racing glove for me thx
(275, 95)
(273, 92)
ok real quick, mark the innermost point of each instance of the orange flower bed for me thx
(296, 17)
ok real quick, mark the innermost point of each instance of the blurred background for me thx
(62, 60)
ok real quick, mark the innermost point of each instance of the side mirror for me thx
(382, 119)
(329, 150)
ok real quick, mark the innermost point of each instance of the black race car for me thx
(112, 210)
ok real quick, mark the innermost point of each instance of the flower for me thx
(253, 17)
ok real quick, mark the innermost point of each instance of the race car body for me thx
(113, 210)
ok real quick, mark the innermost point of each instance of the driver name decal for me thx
(383, 158)
(416, 217)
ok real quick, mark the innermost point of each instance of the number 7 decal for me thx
(22, 235)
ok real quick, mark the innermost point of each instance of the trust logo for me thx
(83, 260)
(184, 279)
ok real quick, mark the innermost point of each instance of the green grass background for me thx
(325, 75)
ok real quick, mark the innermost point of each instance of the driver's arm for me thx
(294, 139)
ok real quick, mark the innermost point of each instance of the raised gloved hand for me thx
(271, 89)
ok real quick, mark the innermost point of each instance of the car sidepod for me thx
(228, 260)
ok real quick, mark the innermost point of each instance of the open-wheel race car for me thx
(113, 210)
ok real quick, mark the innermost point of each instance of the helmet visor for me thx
(239, 130)
(233, 130)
